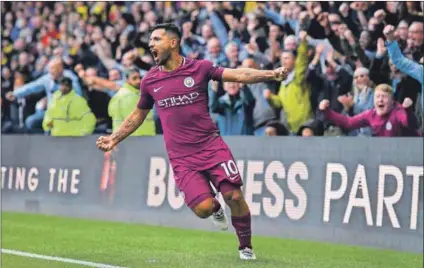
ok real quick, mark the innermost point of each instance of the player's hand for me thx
(280, 74)
(10, 96)
(389, 32)
(267, 94)
(407, 102)
(324, 104)
(50, 124)
(105, 143)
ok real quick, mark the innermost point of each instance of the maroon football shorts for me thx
(194, 174)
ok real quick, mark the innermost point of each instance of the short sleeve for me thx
(214, 71)
(146, 100)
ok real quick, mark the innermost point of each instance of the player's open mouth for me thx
(380, 105)
(154, 53)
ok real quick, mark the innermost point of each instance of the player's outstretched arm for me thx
(252, 76)
(130, 124)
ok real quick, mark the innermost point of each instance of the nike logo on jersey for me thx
(157, 89)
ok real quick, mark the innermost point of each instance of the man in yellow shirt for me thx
(294, 94)
(124, 102)
(68, 114)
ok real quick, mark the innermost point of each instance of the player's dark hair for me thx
(169, 28)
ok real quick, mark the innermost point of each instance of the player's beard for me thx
(164, 58)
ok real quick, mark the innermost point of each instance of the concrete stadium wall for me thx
(354, 191)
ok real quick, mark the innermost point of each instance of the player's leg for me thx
(205, 205)
(213, 207)
(240, 217)
(198, 193)
(227, 179)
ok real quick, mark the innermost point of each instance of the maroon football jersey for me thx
(181, 100)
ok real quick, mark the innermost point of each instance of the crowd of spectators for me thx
(337, 54)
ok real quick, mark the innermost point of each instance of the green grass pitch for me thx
(133, 245)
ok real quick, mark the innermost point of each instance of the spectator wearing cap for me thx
(294, 94)
(387, 118)
(234, 109)
(68, 114)
(49, 84)
(123, 103)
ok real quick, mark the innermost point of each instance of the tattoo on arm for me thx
(249, 76)
(130, 124)
(119, 136)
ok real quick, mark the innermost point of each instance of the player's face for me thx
(382, 102)
(161, 46)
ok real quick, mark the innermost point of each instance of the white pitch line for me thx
(58, 259)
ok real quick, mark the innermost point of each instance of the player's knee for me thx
(204, 209)
(233, 196)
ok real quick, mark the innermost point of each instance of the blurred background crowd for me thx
(74, 68)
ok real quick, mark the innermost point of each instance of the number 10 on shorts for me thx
(230, 169)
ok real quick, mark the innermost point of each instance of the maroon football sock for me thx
(243, 230)
(216, 205)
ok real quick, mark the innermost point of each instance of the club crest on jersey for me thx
(189, 82)
(388, 126)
